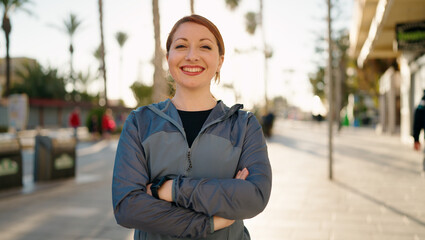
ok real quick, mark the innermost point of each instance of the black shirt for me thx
(193, 122)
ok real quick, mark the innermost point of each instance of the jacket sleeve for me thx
(134, 208)
(232, 198)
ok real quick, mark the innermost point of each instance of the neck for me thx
(193, 101)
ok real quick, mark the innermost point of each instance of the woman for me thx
(190, 167)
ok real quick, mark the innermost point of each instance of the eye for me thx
(180, 46)
(206, 47)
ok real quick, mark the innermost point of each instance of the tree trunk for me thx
(159, 82)
(330, 94)
(71, 67)
(102, 51)
(263, 35)
(192, 6)
(7, 29)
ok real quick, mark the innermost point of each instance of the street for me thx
(378, 191)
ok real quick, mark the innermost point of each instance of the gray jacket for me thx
(153, 144)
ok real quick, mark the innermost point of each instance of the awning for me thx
(372, 34)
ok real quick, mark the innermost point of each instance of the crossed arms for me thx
(194, 207)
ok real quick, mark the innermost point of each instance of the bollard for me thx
(54, 158)
(10, 162)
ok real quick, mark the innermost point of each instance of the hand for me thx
(220, 223)
(417, 146)
(148, 189)
(164, 192)
(242, 174)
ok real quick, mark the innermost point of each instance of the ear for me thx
(220, 62)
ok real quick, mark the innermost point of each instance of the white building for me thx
(393, 29)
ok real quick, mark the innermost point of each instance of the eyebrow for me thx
(202, 39)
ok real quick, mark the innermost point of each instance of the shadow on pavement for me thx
(309, 147)
(377, 201)
(383, 160)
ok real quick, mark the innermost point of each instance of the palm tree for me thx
(102, 51)
(9, 6)
(160, 87)
(253, 20)
(39, 82)
(192, 6)
(121, 38)
(85, 78)
(98, 56)
(232, 4)
(71, 25)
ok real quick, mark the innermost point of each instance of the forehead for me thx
(191, 30)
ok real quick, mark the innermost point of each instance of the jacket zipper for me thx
(189, 160)
(182, 131)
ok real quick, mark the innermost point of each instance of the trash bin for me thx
(10, 162)
(54, 158)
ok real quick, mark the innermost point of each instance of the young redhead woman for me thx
(191, 167)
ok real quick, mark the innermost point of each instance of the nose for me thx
(192, 55)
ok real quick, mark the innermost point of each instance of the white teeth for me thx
(186, 69)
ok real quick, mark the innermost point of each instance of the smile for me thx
(192, 70)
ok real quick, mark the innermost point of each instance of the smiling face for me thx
(193, 57)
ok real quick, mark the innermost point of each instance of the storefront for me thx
(393, 30)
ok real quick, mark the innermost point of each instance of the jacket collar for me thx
(220, 112)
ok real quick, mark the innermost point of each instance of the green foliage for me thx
(317, 81)
(251, 22)
(8, 5)
(39, 82)
(94, 120)
(71, 24)
(121, 38)
(82, 97)
(142, 93)
(97, 53)
(171, 86)
(84, 80)
(232, 4)
(339, 65)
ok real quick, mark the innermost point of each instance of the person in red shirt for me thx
(74, 120)
(108, 123)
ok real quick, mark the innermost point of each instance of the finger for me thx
(148, 189)
(244, 173)
(238, 175)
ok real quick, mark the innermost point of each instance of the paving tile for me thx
(378, 192)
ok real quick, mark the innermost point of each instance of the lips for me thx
(192, 70)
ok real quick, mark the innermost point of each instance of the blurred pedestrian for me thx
(74, 120)
(190, 166)
(94, 126)
(418, 125)
(268, 121)
(108, 123)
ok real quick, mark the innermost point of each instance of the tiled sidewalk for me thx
(378, 189)
(378, 192)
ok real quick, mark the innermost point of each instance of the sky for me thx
(291, 29)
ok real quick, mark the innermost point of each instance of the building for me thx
(16, 64)
(393, 31)
(45, 113)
